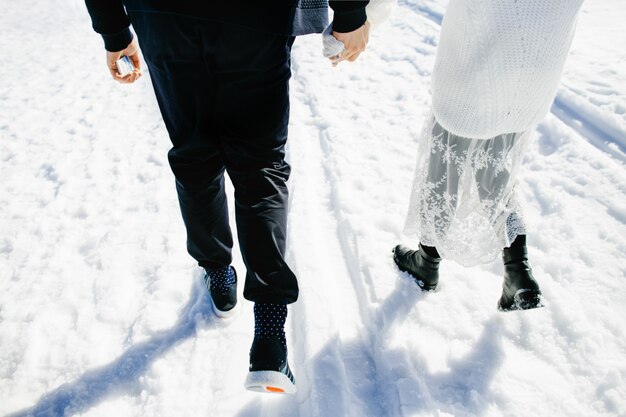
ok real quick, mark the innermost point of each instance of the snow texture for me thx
(102, 312)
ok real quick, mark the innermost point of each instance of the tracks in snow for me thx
(341, 325)
(341, 374)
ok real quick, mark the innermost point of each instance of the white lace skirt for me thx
(463, 199)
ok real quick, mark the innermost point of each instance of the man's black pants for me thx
(223, 91)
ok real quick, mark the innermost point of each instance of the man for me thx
(220, 71)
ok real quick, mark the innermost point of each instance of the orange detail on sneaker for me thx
(274, 389)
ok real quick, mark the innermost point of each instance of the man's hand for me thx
(132, 51)
(355, 42)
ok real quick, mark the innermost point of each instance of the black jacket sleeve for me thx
(349, 14)
(110, 20)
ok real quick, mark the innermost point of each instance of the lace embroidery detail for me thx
(463, 200)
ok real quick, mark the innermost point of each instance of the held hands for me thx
(355, 42)
(132, 51)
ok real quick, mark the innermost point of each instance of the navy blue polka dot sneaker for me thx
(222, 285)
(269, 369)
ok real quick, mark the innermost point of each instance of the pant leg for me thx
(175, 50)
(253, 71)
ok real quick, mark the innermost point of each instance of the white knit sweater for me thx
(499, 63)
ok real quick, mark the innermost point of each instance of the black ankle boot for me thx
(423, 267)
(520, 291)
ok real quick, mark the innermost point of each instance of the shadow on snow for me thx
(462, 390)
(97, 384)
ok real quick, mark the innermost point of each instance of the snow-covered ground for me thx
(102, 312)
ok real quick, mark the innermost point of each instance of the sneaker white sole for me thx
(223, 314)
(270, 382)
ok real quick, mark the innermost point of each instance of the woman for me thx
(497, 71)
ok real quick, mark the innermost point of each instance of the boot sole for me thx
(418, 281)
(223, 314)
(272, 382)
(523, 300)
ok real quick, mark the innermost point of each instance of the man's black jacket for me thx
(111, 21)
